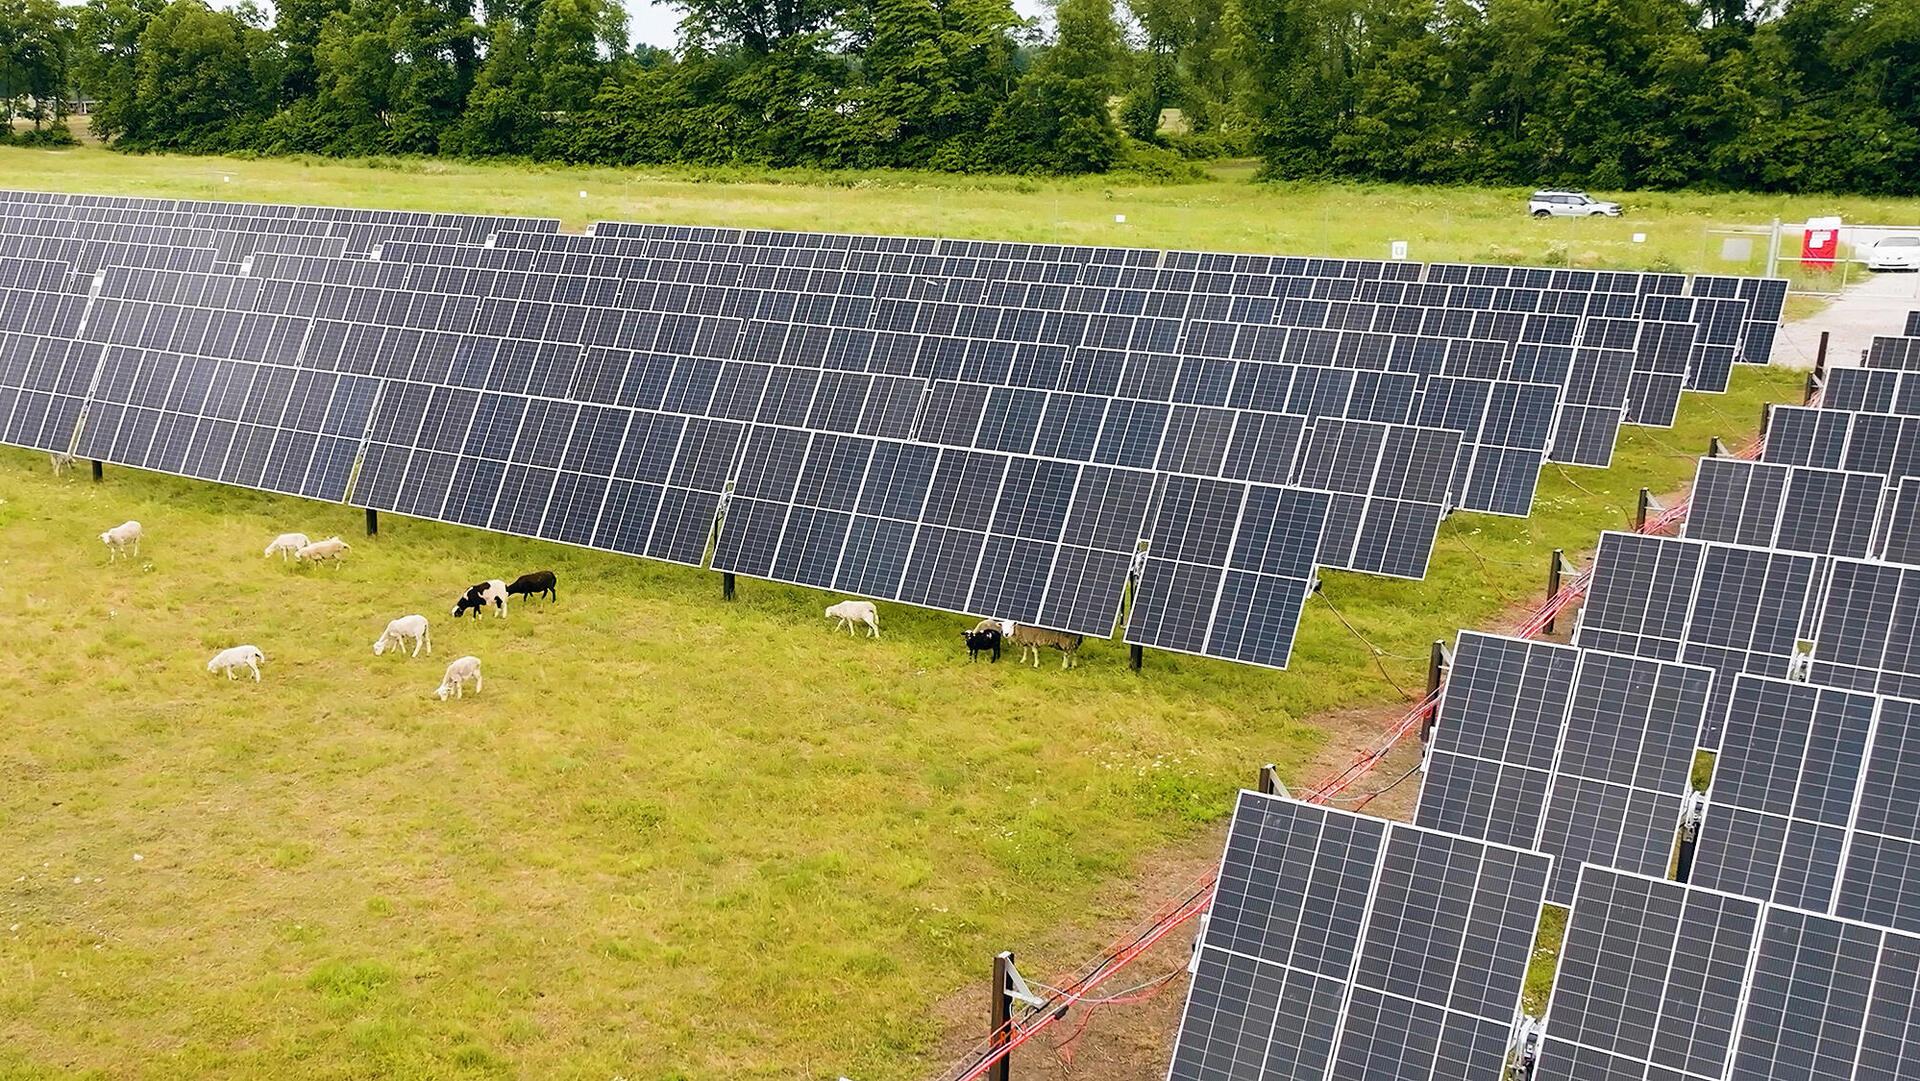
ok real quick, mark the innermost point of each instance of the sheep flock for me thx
(985, 637)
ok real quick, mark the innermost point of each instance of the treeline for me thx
(1807, 95)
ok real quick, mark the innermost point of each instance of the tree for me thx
(202, 77)
(1059, 121)
(107, 69)
(36, 58)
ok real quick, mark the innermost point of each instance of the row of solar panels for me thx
(1782, 630)
(1350, 948)
(637, 428)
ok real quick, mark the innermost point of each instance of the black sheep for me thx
(532, 585)
(982, 641)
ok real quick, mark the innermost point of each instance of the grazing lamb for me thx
(848, 613)
(238, 657)
(120, 538)
(1037, 638)
(983, 640)
(329, 549)
(532, 585)
(396, 635)
(458, 673)
(492, 591)
(286, 544)
(61, 463)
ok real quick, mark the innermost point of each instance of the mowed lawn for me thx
(675, 837)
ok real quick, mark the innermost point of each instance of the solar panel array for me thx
(1347, 947)
(1662, 980)
(1025, 431)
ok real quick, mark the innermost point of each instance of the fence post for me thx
(1773, 251)
(1640, 515)
(1553, 582)
(1002, 1015)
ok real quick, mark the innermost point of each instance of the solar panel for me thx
(1880, 868)
(1579, 754)
(1900, 541)
(1638, 600)
(1228, 569)
(1865, 637)
(1797, 509)
(1896, 353)
(1828, 998)
(1347, 947)
(1783, 790)
(1913, 324)
(1650, 980)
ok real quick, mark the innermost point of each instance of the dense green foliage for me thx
(1802, 95)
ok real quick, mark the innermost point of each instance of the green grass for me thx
(675, 837)
(1226, 214)
(1547, 941)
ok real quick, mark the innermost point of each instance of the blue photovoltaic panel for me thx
(1783, 789)
(1490, 761)
(1649, 981)
(1345, 947)
(1228, 569)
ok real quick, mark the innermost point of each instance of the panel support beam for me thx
(1000, 1023)
(1558, 560)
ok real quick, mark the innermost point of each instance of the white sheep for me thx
(849, 613)
(61, 462)
(286, 544)
(329, 549)
(458, 673)
(238, 657)
(398, 631)
(120, 538)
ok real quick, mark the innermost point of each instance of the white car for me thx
(1895, 253)
(1569, 204)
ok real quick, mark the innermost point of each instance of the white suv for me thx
(1569, 204)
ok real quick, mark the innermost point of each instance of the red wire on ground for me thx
(1036, 1019)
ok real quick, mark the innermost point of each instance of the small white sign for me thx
(1120, 219)
(1639, 238)
(1399, 249)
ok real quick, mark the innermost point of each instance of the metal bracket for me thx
(1018, 990)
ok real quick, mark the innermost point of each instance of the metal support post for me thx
(1270, 780)
(97, 471)
(1553, 579)
(1136, 656)
(1436, 669)
(1002, 1020)
(1640, 513)
(726, 585)
(1716, 449)
(373, 522)
(1820, 358)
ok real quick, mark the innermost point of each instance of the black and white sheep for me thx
(532, 585)
(492, 591)
(980, 640)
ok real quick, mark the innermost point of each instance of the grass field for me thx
(675, 837)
